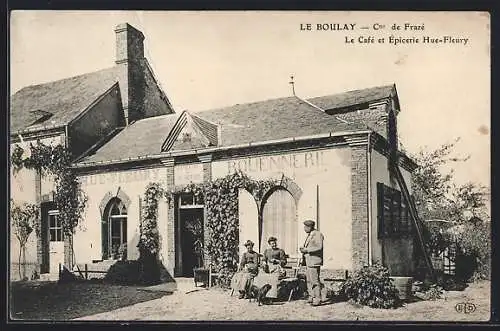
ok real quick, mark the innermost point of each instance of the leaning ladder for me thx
(414, 215)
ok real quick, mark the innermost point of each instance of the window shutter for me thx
(388, 208)
(405, 226)
(396, 213)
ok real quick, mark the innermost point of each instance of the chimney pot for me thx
(129, 44)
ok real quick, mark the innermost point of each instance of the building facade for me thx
(329, 156)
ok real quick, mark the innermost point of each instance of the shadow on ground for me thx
(35, 300)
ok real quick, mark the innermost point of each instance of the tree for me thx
(25, 219)
(438, 196)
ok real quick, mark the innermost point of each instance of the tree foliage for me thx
(438, 196)
(55, 161)
(24, 220)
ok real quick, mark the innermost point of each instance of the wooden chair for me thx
(292, 267)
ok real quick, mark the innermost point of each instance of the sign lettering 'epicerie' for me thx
(277, 162)
(124, 177)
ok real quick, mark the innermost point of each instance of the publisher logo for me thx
(465, 308)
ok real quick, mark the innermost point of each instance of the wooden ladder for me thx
(414, 215)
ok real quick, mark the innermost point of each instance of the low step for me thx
(48, 277)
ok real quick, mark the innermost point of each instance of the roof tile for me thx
(64, 99)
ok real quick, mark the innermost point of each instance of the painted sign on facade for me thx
(188, 173)
(272, 163)
(123, 177)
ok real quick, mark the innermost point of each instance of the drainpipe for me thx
(369, 166)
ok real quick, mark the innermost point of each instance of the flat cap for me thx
(271, 239)
(309, 223)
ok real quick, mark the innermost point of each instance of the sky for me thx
(205, 60)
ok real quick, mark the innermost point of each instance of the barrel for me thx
(403, 285)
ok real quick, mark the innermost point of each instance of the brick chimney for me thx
(130, 61)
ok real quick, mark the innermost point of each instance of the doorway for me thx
(190, 235)
(52, 236)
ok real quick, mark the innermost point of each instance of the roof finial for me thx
(293, 84)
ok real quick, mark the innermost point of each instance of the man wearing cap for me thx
(313, 255)
(247, 270)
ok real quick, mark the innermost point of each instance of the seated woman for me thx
(247, 270)
(274, 259)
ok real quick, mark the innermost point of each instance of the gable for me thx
(189, 132)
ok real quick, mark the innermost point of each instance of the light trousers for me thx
(313, 283)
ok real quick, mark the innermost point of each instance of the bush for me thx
(371, 286)
(433, 293)
(475, 243)
(124, 273)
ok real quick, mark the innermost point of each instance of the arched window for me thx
(114, 229)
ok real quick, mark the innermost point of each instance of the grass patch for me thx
(34, 300)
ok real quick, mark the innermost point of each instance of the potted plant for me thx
(200, 272)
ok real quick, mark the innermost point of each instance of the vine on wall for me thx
(55, 161)
(222, 216)
(149, 236)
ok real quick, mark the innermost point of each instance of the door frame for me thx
(178, 224)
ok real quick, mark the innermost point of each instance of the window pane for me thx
(115, 210)
(52, 235)
(186, 199)
(124, 231)
(115, 227)
(52, 221)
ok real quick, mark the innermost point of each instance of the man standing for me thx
(313, 256)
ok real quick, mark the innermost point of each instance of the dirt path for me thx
(216, 304)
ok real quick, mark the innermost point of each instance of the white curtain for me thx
(280, 220)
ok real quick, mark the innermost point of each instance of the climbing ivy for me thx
(222, 216)
(221, 201)
(149, 236)
(55, 161)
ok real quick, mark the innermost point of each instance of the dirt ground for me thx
(216, 304)
(37, 300)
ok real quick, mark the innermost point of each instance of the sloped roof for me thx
(141, 138)
(209, 129)
(354, 97)
(273, 119)
(65, 99)
(240, 124)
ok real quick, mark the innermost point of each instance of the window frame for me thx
(394, 219)
(57, 227)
